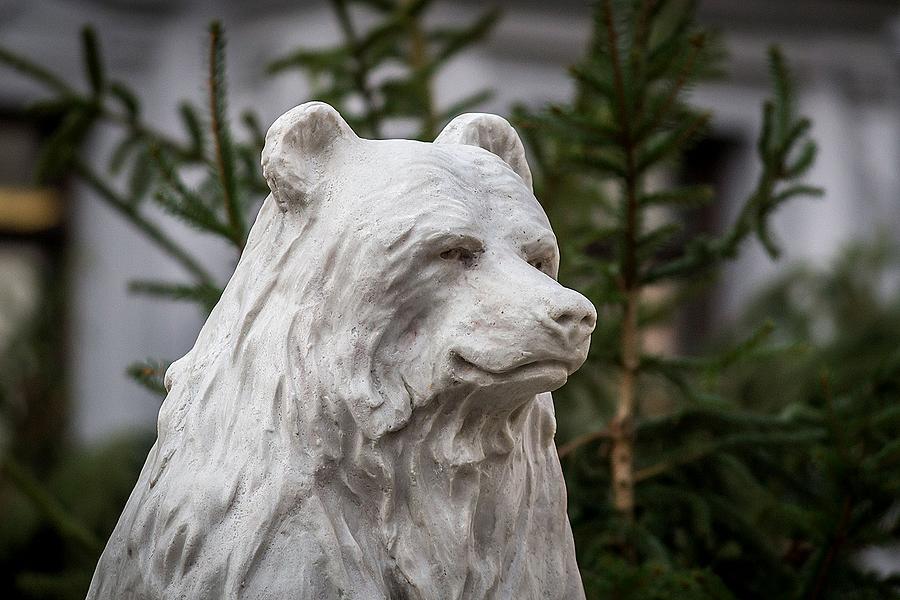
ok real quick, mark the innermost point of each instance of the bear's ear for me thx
(494, 134)
(298, 145)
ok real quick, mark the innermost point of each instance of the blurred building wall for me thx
(846, 54)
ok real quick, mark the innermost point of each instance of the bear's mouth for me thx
(549, 368)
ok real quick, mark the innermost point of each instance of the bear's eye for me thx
(463, 255)
(541, 264)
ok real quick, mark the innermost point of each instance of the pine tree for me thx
(631, 118)
(693, 489)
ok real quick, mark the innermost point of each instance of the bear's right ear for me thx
(298, 145)
(494, 134)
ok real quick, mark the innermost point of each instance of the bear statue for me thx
(366, 413)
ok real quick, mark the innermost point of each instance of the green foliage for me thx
(53, 530)
(150, 374)
(223, 148)
(154, 163)
(630, 120)
(611, 577)
(844, 488)
(667, 467)
(355, 69)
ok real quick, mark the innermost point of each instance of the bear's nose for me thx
(575, 318)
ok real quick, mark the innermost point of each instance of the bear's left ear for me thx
(494, 134)
(298, 145)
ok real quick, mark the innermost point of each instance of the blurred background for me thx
(69, 327)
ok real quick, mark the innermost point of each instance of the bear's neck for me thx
(465, 495)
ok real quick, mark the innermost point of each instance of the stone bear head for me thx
(435, 264)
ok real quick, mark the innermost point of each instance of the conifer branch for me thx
(360, 70)
(686, 70)
(221, 135)
(837, 539)
(94, 66)
(150, 374)
(203, 294)
(36, 72)
(418, 62)
(345, 74)
(582, 440)
(781, 133)
(622, 425)
(49, 507)
(175, 198)
(729, 443)
(149, 229)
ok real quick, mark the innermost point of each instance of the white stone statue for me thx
(366, 413)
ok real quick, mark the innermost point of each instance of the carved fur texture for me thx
(366, 413)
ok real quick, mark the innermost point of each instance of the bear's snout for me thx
(572, 317)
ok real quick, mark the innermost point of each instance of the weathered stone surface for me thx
(366, 413)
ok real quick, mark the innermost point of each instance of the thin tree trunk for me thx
(622, 426)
